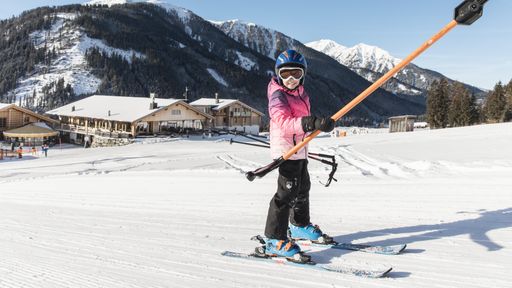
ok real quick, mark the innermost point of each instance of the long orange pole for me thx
(375, 85)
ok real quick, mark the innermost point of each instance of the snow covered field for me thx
(159, 212)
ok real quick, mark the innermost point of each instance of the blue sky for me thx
(478, 54)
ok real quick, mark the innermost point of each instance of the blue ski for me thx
(376, 249)
(367, 273)
(387, 250)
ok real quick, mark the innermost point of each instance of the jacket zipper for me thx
(309, 113)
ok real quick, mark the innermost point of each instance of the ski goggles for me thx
(295, 72)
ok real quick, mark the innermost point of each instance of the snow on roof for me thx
(127, 109)
(42, 125)
(3, 105)
(223, 103)
(36, 130)
(211, 102)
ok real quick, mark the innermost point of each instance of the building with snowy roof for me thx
(231, 114)
(127, 117)
(21, 125)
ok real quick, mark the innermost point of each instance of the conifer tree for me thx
(508, 96)
(438, 104)
(475, 110)
(456, 109)
(495, 104)
(463, 110)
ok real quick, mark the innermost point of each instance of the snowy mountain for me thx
(270, 43)
(71, 45)
(73, 39)
(360, 56)
(369, 62)
(132, 48)
(372, 62)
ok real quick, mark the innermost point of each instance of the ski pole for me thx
(314, 156)
(254, 138)
(466, 13)
(310, 155)
(321, 155)
(250, 144)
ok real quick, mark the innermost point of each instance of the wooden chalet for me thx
(127, 117)
(231, 114)
(21, 125)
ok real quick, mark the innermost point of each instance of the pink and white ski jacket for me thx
(286, 108)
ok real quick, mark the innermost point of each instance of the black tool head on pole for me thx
(469, 11)
(262, 171)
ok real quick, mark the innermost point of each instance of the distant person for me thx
(34, 150)
(45, 148)
(20, 152)
(290, 123)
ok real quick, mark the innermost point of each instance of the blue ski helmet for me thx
(291, 58)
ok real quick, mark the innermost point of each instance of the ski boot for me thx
(281, 248)
(309, 232)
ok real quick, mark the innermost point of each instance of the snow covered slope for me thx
(159, 212)
(118, 2)
(182, 12)
(264, 40)
(71, 45)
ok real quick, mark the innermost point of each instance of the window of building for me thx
(175, 112)
(3, 122)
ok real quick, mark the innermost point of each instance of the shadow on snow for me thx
(476, 229)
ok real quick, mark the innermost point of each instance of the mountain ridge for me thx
(371, 62)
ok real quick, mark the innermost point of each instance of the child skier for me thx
(290, 123)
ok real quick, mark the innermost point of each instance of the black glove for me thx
(312, 123)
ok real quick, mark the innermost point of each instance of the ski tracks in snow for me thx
(354, 162)
(237, 163)
(351, 162)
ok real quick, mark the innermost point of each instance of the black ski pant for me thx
(291, 201)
